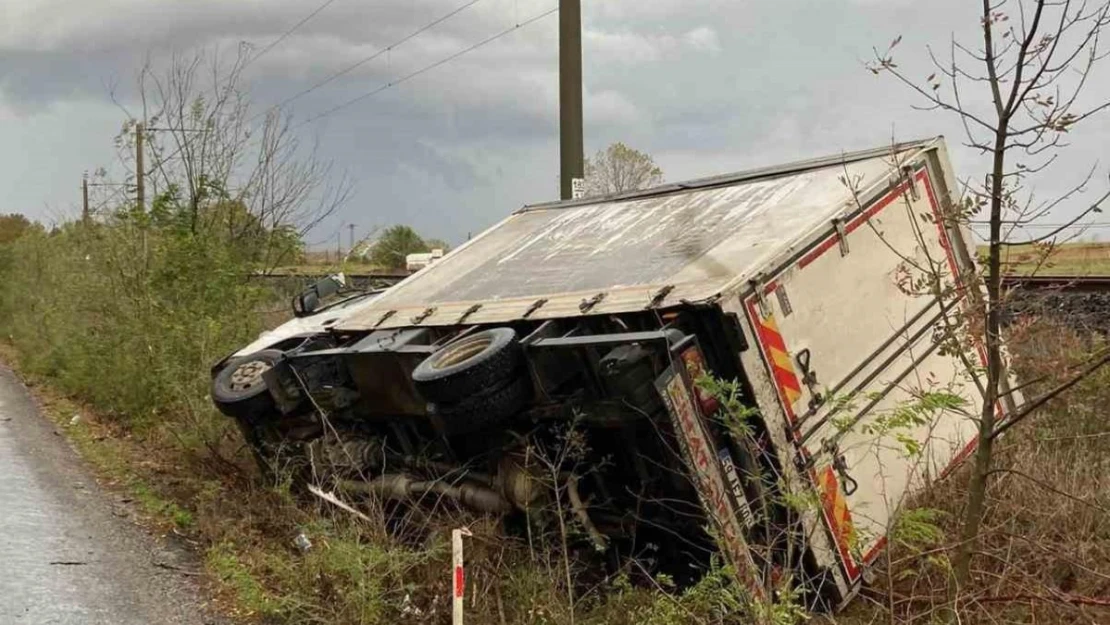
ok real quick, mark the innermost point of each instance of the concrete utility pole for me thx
(140, 173)
(351, 238)
(85, 198)
(571, 148)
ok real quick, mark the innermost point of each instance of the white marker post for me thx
(458, 576)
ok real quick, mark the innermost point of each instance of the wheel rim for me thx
(248, 375)
(460, 353)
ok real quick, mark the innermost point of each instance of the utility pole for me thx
(571, 148)
(339, 245)
(351, 238)
(85, 198)
(140, 172)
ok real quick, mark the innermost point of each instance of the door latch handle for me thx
(847, 482)
(809, 378)
(839, 464)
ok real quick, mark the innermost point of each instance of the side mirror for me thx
(308, 302)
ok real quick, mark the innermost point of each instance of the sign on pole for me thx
(578, 188)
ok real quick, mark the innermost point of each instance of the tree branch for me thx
(988, 52)
(1049, 488)
(1030, 407)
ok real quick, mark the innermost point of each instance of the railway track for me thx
(1073, 283)
(1068, 283)
(1065, 283)
(361, 280)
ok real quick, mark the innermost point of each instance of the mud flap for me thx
(728, 515)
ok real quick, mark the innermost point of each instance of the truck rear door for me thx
(874, 405)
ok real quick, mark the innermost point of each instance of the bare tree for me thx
(620, 168)
(225, 163)
(1018, 93)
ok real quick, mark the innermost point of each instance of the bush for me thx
(129, 318)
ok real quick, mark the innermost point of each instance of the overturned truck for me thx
(704, 368)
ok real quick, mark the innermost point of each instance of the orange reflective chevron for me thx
(838, 517)
(778, 357)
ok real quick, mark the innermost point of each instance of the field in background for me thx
(1079, 259)
(325, 263)
(1073, 259)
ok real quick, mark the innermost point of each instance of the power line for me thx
(1075, 226)
(286, 34)
(403, 79)
(1092, 224)
(427, 68)
(342, 72)
(352, 67)
(252, 59)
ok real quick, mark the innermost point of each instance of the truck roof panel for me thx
(695, 240)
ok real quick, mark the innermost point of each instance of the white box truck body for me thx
(803, 283)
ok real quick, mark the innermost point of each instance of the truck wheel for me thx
(468, 366)
(239, 390)
(488, 409)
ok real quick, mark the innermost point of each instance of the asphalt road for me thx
(69, 554)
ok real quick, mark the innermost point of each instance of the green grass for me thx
(1081, 259)
(238, 578)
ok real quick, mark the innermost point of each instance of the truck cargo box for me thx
(826, 290)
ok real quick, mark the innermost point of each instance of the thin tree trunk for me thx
(980, 472)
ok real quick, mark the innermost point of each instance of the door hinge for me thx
(761, 298)
(839, 464)
(841, 235)
(911, 184)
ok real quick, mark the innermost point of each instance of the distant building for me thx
(416, 262)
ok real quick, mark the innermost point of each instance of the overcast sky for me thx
(705, 86)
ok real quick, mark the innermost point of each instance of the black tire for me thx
(239, 391)
(468, 366)
(479, 412)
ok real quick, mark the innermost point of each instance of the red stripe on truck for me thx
(778, 359)
(832, 241)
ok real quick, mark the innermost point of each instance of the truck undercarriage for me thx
(559, 417)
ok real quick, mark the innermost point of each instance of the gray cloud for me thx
(706, 86)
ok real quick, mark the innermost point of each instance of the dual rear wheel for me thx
(475, 382)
